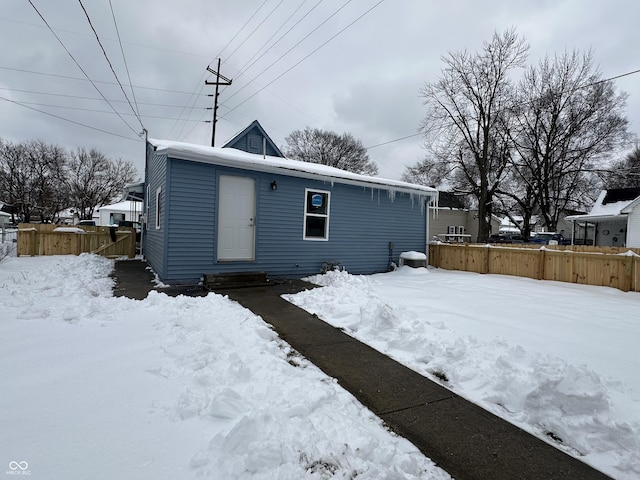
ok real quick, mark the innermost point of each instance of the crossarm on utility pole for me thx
(220, 80)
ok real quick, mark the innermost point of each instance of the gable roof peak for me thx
(241, 141)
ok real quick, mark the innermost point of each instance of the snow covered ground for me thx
(556, 359)
(99, 387)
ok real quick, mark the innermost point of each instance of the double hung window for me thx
(316, 215)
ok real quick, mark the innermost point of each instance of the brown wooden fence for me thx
(42, 239)
(601, 266)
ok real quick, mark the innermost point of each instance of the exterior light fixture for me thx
(274, 185)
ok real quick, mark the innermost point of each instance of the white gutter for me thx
(282, 166)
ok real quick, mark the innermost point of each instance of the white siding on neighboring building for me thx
(633, 228)
(113, 214)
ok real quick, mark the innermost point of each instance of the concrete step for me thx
(217, 281)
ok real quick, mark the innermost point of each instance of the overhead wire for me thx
(289, 51)
(124, 58)
(142, 45)
(261, 50)
(580, 87)
(136, 139)
(104, 53)
(81, 97)
(80, 67)
(200, 85)
(256, 29)
(240, 30)
(84, 109)
(307, 56)
(96, 81)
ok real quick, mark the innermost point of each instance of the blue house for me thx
(254, 139)
(223, 210)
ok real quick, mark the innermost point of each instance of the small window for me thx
(316, 215)
(158, 207)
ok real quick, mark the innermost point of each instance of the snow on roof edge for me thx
(236, 158)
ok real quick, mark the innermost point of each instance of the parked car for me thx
(87, 223)
(544, 238)
(506, 238)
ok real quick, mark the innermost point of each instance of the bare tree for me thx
(329, 148)
(95, 180)
(32, 179)
(466, 117)
(568, 122)
(625, 173)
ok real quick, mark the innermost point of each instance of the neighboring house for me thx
(222, 210)
(4, 217)
(127, 210)
(451, 221)
(614, 220)
(508, 226)
(254, 139)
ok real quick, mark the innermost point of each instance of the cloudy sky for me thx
(346, 66)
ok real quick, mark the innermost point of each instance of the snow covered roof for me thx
(231, 157)
(125, 206)
(611, 204)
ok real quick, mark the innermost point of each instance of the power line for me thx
(204, 75)
(633, 72)
(97, 81)
(180, 52)
(79, 66)
(99, 111)
(106, 57)
(255, 29)
(288, 51)
(241, 28)
(261, 50)
(68, 120)
(395, 140)
(124, 58)
(304, 58)
(80, 97)
(246, 23)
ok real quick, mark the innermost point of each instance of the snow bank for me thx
(111, 388)
(558, 360)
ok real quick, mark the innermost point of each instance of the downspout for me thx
(433, 200)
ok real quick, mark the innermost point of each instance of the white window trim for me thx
(158, 197)
(306, 214)
(147, 200)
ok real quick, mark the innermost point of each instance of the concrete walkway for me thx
(462, 438)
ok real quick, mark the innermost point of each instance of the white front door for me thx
(236, 218)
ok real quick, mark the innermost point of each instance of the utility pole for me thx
(217, 83)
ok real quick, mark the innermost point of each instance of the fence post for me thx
(34, 241)
(487, 260)
(466, 257)
(132, 243)
(541, 261)
(434, 254)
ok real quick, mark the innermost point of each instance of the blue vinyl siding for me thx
(362, 222)
(191, 235)
(155, 239)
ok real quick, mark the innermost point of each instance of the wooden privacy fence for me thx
(601, 266)
(43, 239)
